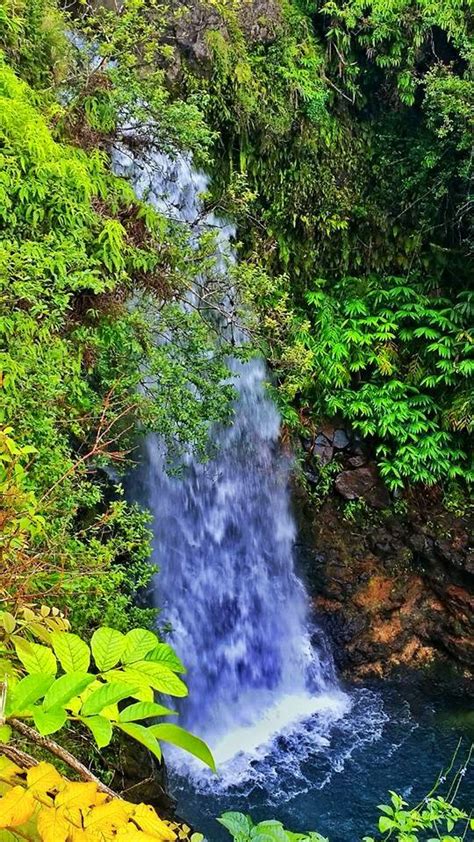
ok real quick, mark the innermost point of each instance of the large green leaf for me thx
(28, 691)
(184, 739)
(104, 696)
(5, 733)
(269, 831)
(239, 825)
(144, 710)
(159, 677)
(139, 685)
(47, 722)
(164, 654)
(35, 658)
(138, 643)
(107, 647)
(142, 735)
(101, 728)
(66, 688)
(73, 654)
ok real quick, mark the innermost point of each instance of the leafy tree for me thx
(95, 685)
(83, 373)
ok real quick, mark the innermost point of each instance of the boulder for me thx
(340, 439)
(323, 453)
(356, 461)
(363, 483)
(194, 20)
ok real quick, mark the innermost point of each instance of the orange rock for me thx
(376, 593)
(388, 631)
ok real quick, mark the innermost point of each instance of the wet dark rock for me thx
(312, 477)
(259, 21)
(356, 461)
(323, 453)
(363, 483)
(141, 779)
(340, 439)
(327, 429)
(354, 484)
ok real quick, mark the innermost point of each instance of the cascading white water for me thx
(224, 538)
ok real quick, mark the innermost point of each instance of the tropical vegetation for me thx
(341, 144)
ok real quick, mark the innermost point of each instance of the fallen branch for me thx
(45, 742)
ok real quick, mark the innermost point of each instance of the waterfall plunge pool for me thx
(398, 735)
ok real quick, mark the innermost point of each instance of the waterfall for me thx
(223, 540)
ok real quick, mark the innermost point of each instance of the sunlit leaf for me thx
(144, 710)
(107, 647)
(48, 722)
(142, 735)
(34, 657)
(164, 654)
(101, 728)
(29, 690)
(138, 643)
(16, 807)
(52, 825)
(159, 677)
(106, 695)
(66, 688)
(184, 739)
(72, 652)
(44, 778)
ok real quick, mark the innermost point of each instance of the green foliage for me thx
(436, 815)
(400, 37)
(375, 197)
(92, 681)
(242, 829)
(82, 371)
(397, 362)
(393, 358)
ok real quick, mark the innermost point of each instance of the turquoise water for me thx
(397, 735)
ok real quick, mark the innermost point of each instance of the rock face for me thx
(389, 589)
(194, 20)
(362, 482)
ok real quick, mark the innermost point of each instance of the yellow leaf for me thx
(132, 834)
(44, 778)
(108, 816)
(147, 819)
(111, 712)
(8, 768)
(73, 815)
(52, 825)
(16, 807)
(76, 834)
(77, 795)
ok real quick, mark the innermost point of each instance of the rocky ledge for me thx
(391, 585)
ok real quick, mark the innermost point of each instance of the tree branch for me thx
(45, 742)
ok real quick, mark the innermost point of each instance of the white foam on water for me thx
(283, 717)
